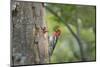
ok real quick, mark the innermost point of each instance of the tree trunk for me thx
(29, 38)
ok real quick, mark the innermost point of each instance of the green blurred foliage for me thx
(67, 48)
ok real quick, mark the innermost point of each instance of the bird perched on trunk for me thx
(53, 40)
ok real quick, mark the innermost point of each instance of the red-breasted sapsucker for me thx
(53, 41)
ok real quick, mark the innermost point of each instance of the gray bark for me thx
(28, 41)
